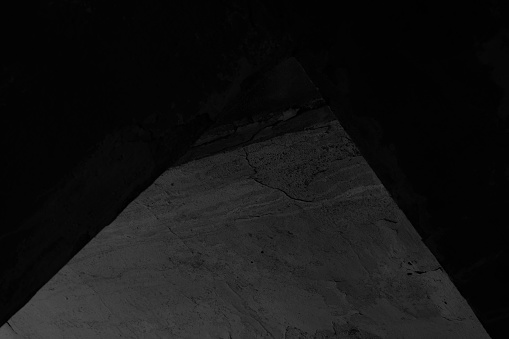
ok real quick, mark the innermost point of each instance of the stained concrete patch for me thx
(292, 237)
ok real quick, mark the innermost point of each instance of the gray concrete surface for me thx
(291, 237)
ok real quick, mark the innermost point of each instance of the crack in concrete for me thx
(433, 270)
(99, 297)
(350, 244)
(13, 330)
(411, 271)
(316, 128)
(251, 312)
(355, 252)
(250, 217)
(268, 186)
(102, 302)
(224, 137)
(315, 104)
(298, 113)
(204, 264)
(454, 319)
(387, 226)
(168, 227)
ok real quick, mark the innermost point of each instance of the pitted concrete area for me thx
(291, 237)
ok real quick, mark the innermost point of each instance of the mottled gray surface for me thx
(293, 237)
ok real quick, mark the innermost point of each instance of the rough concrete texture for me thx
(292, 237)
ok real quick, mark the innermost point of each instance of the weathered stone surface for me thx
(292, 237)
